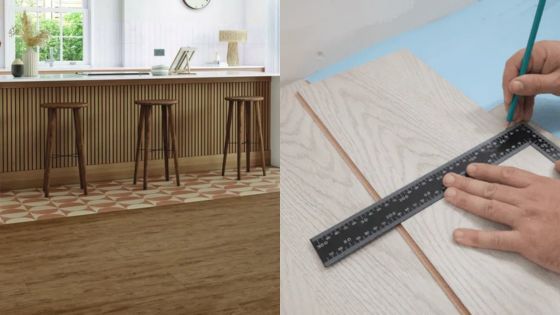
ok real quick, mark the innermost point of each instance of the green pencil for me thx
(527, 56)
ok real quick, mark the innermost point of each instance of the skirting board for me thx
(96, 173)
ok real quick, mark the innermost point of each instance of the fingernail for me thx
(448, 179)
(450, 193)
(471, 168)
(516, 86)
(458, 235)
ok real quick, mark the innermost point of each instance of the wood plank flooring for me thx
(210, 257)
(397, 120)
(318, 190)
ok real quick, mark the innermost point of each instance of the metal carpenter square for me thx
(365, 226)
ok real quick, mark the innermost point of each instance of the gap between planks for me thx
(369, 188)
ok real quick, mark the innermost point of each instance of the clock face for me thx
(196, 4)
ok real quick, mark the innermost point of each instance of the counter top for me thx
(74, 69)
(116, 77)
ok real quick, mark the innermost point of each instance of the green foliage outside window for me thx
(71, 35)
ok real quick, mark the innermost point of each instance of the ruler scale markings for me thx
(367, 225)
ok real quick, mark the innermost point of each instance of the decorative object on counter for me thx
(168, 133)
(244, 104)
(51, 57)
(160, 70)
(217, 61)
(17, 68)
(31, 61)
(233, 38)
(197, 4)
(182, 62)
(32, 40)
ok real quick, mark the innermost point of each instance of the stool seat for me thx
(64, 105)
(155, 102)
(245, 99)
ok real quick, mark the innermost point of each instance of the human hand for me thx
(543, 76)
(526, 202)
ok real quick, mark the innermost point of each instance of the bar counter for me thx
(110, 122)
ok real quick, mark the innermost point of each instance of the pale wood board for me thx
(397, 120)
(318, 190)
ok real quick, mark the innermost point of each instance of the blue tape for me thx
(469, 49)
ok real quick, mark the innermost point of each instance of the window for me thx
(66, 23)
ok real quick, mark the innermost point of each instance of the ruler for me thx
(367, 225)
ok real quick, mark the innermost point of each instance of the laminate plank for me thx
(318, 190)
(211, 257)
(397, 120)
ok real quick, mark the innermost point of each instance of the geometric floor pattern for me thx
(65, 201)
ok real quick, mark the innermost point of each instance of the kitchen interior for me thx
(139, 156)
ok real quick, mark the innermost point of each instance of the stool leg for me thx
(239, 118)
(261, 137)
(173, 143)
(138, 144)
(80, 149)
(48, 151)
(147, 148)
(248, 135)
(165, 133)
(228, 134)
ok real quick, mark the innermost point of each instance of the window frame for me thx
(10, 11)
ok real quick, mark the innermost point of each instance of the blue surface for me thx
(469, 49)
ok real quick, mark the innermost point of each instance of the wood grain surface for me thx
(318, 190)
(397, 120)
(110, 122)
(202, 258)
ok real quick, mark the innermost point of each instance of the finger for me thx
(492, 210)
(533, 84)
(511, 71)
(499, 240)
(557, 166)
(521, 109)
(506, 175)
(483, 189)
(528, 108)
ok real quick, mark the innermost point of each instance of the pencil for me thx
(527, 56)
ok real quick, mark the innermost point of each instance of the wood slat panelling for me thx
(110, 121)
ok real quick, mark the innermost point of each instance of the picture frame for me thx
(182, 62)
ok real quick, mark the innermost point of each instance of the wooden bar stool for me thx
(52, 114)
(168, 129)
(246, 102)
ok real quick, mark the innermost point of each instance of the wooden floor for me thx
(210, 257)
(391, 121)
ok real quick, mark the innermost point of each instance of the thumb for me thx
(557, 166)
(533, 84)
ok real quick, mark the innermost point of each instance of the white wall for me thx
(2, 34)
(125, 32)
(106, 33)
(169, 24)
(317, 33)
(262, 23)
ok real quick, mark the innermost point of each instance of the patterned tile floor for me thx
(65, 201)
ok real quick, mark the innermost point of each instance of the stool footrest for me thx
(60, 156)
(156, 150)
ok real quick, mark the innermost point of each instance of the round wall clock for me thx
(196, 4)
